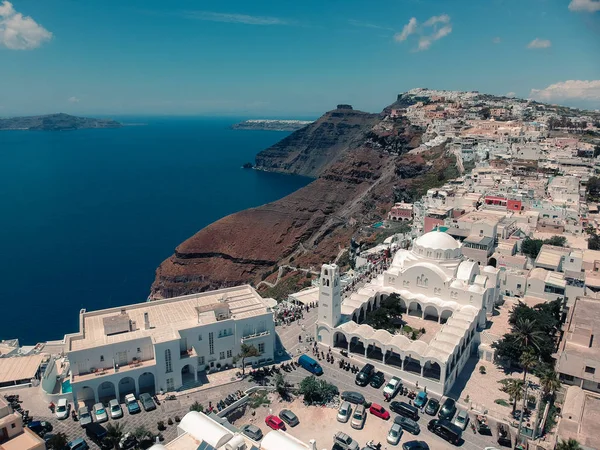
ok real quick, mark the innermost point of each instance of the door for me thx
(122, 358)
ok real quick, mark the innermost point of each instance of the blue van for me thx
(310, 364)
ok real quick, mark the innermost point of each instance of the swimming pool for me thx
(66, 386)
(377, 225)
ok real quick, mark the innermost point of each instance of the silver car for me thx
(462, 419)
(344, 412)
(358, 418)
(344, 441)
(395, 434)
(115, 409)
(100, 413)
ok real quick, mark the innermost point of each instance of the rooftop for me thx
(167, 317)
(18, 368)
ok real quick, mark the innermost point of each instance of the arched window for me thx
(168, 364)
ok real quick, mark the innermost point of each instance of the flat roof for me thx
(307, 296)
(19, 367)
(481, 240)
(580, 417)
(24, 441)
(168, 316)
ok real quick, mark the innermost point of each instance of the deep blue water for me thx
(86, 216)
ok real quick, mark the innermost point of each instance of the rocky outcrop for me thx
(55, 122)
(356, 181)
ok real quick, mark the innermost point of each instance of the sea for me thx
(87, 216)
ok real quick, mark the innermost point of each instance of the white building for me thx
(435, 282)
(164, 344)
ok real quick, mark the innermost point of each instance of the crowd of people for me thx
(289, 312)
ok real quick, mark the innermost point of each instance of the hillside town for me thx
(472, 320)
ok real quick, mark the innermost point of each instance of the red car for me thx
(276, 423)
(379, 411)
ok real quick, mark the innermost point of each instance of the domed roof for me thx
(437, 240)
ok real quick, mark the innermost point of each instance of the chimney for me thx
(146, 321)
(313, 444)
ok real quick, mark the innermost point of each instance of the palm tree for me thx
(114, 433)
(247, 351)
(514, 389)
(58, 441)
(528, 361)
(570, 444)
(526, 335)
(549, 382)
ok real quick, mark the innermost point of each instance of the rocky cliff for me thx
(362, 164)
(55, 122)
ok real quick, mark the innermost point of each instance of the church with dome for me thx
(439, 290)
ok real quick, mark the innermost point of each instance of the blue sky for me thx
(285, 58)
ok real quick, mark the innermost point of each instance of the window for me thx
(221, 355)
(568, 377)
(101, 358)
(201, 360)
(518, 285)
(589, 369)
(211, 343)
(200, 337)
(13, 425)
(170, 384)
(168, 365)
(139, 350)
(229, 353)
(261, 347)
(571, 260)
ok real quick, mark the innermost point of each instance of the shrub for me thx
(196, 406)
(170, 421)
(501, 402)
(482, 370)
(161, 425)
(177, 419)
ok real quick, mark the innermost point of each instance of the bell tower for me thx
(330, 296)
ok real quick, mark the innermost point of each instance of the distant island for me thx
(55, 122)
(271, 125)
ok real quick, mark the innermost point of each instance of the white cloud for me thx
(409, 28)
(234, 18)
(586, 90)
(18, 32)
(510, 94)
(585, 5)
(73, 100)
(430, 31)
(358, 23)
(496, 40)
(539, 43)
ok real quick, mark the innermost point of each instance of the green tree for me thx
(514, 389)
(246, 351)
(531, 247)
(196, 406)
(528, 361)
(114, 433)
(58, 441)
(549, 381)
(317, 391)
(142, 433)
(526, 334)
(570, 444)
(282, 386)
(557, 241)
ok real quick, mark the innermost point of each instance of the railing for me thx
(256, 335)
(187, 353)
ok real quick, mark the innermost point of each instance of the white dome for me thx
(437, 240)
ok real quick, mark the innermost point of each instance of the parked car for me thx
(394, 434)
(97, 433)
(40, 428)
(289, 417)
(379, 411)
(62, 409)
(415, 445)
(78, 444)
(462, 419)
(344, 441)
(132, 404)
(446, 430)
(310, 364)
(408, 424)
(432, 407)
(85, 418)
(364, 376)
(353, 397)
(377, 380)
(253, 432)
(420, 399)
(147, 402)
(100, 414)
(448, 409)
(358, 418)
(391, 389)
(275, 422)
(115, 409)
(344, 412)
(404, 409)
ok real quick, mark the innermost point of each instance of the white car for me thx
(62, 408)
(392, 388)
(358, 418)
(395, 434)
(462, 419)
(115, 409)
(344, 412)
(100, 413)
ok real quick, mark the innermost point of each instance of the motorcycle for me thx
(344, 353)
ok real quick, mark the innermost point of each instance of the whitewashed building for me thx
(165, 344)
(435, 282)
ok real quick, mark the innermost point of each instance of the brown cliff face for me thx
(357, 176)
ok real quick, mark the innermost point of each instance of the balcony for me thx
(256, 335)
(189, 353)
(132, 365)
